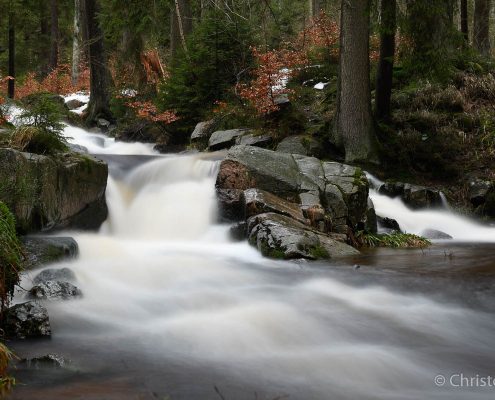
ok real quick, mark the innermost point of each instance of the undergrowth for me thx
(395, 239)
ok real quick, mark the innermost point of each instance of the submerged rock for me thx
(44, 250)
(54, 274)
(238, 231)
(47, 193)
(54, 290)
(27, 320)
(278, 236)
(435, 234)
(230, 205)
(54, 361)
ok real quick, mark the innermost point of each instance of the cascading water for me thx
(172, 307)
(443, 219)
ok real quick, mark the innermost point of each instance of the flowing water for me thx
(173, 310)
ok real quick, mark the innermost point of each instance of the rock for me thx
(47, 193)
(203, 130)
(74, 103)
(304, 145)
(255, 140)
(54, 290)
(141, 131)
(103, 124)
(169, 148)
(340, 190)
(27, 320)
(388, 225)
(257, 201)
(415, 197)
(54, 361)
(434, 234)
(44, 250)
(371, 222)
(279, 236)
(224, 139)
(230, 205)
(479, 190)
(78, 148)
(55, 274)
(238, 232)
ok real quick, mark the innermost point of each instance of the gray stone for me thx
(74, 103)
(224, 139)
(435, 234)
(78, 148)
(230, 205)
(479, 190)
(55, 274)
(103, 124)
(238, 231)
(53, 361)
(202, 130)
(27, 320)
(279, 236)
(44, 250)
(54, 290)
(255, 140)
(388, 225)
(304, 145)
(257, 201)
(414, 196)
(47, 193)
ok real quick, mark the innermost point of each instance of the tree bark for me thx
(54, 34)
(180, 24)
(353, 129)
(11, 83)
(384, 75)
(99, 102)
(464, 20)
(44, 40)
(314, 8)
(481, 27)
(76, 42)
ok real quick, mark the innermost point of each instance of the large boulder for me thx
(482, 197)
(304, 145)
(203, 130)
(414, 196)
(45, 250)
(54, 290)
(224, 139)
(334, 192)
(255, 140)
(230, 206)
(279, 236)
(27, 320)
(47, 193)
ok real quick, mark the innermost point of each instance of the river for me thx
(172, 309)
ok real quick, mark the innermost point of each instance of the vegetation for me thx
(395, 239)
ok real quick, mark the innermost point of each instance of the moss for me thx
(10, 255)
(267, 251)
(319, 252)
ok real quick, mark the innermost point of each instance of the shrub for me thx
(395, 239)
(35, 140)
(6, 382)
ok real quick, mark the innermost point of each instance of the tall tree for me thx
(76, 42)
(314, 7)
(353, 129)
(99, 102)
(11, 84)
(384, 75)
(464, 20)
(481, 26)
(180, 24)
(54, 34)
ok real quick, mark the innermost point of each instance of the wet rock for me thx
(388, 224)
(279, 236)
(435, 234)
(230, 205)
(340, 190)
(169, 148)
(54, 290)
(257, 201)
(74, 103)
(479, 190)
(53, 361)
(44, 250)
(78, 148)
(103, 124)
(255, 140)
(224, 139)
(27, 320)
(203, 130)
(47, 193)
(415, 197)
(371, 222)
(55, 274)
(238, 232)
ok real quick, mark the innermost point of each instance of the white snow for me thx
(320, 85)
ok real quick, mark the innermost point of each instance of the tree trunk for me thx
(384, 73)
(464, 20)
(180, 24)
(314, 8)
(44, 40)
(54, 34)
(99, 103)
(76, 42)
(481, 26)
(11, 84)
(353, 128)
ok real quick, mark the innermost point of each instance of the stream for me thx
(172, 309)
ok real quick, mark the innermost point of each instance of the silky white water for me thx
(164, 281)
